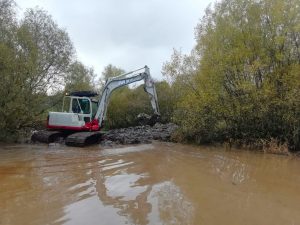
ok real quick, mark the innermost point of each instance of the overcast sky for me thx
(126, 33)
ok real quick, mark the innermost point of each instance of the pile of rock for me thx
(139, 134)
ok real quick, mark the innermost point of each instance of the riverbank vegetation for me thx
(37, 65)
(242, 80)
(240, 84)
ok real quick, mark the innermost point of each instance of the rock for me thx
(139, 134)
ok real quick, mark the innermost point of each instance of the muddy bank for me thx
(139, 134)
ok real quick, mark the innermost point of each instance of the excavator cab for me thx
(78, 111)
(79, 105)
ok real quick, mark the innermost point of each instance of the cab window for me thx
(66, 104)
(75, 106)
(85, 106)
(94, 108)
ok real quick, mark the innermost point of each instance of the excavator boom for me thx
(122, 80)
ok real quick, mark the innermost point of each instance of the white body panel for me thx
(65, 119)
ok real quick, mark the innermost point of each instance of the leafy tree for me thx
(111, 71)
(166, 100)
(34, 54)
(79, 78)
(247, 83)
(180, 73)
(108, 72)
(7, 19)
(50, 48)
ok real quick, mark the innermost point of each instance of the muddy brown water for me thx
(159, 183)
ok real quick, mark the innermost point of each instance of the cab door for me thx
(82, 106)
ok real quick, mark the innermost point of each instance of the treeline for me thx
(37, 60)
(241, 82)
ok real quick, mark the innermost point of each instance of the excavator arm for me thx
(122, 80)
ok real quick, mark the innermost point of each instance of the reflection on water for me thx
(230, 169)
(170, 204)
(146, 184)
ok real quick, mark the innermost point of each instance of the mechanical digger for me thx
(82, 116)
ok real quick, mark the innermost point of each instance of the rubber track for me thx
(46, 136)
(82, 139)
